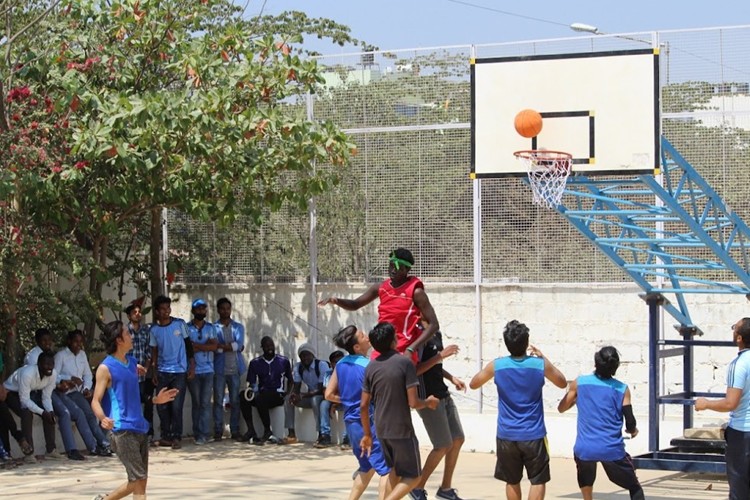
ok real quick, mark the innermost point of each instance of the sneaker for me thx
(219, 437)
(7, 463)
(418, 494)
(274, 440)
(102, 451)
(291, 440)
(99, 497)
(30, 459)
(345, 444)
(244, 438)
(257, 441)
(165, 443)
(176, 445)
(449, 494)
(201, 441)
(75, 455)
(323, 442)
(55, 455)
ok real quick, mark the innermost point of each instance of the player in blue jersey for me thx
(345, 387)
(521, 434)
(603, 402)
(117, 405)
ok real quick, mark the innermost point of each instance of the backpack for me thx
(316, 362)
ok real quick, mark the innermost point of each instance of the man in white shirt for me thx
(73, 370)
(40, 377)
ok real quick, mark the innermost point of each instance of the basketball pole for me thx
(476, 185)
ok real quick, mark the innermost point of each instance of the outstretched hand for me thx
(449, 351)
(534, 351)
(165, 396)
(325, 302)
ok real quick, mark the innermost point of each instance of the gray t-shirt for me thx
(230, 357)
(386, 379)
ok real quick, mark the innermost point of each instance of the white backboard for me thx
(602, 107)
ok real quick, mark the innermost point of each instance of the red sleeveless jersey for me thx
(397, 307)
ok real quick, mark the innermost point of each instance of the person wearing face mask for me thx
(203, 336)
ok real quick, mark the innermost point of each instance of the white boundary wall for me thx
(568, 323)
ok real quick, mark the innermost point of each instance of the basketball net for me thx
(548, 173)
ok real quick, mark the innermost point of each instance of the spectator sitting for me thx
(266, 377)
(20, 385)
(72, 367)
(64, 409)
(310, 370)
(327, 406)
(8, 426)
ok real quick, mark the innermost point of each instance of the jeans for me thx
(170, 414)
(85, 406)
(321, 421)
(325, 418)
(232, 382)
(62, 403)
(201, 387)
(27, 421)
(146, 388)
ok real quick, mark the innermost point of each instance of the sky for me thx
(392, 24)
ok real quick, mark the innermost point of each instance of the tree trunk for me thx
(155, 243)
(10, 356)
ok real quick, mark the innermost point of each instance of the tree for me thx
(140, 105)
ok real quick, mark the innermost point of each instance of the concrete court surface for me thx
(230, 470)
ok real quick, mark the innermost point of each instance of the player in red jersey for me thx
(403, 303)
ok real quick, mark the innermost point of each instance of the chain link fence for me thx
(409, 113)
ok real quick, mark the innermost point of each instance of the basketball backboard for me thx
(602, 107)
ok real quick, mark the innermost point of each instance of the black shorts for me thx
(402, 456)
(621, 472)
(514, 456)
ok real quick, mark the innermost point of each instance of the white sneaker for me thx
(30, 459)
(55, 455)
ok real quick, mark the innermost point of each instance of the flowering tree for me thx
(116, 110)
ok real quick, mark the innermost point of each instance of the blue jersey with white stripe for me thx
(738, 377)
(520, 410)
(600, 419)
(350, 372)
(122, 400)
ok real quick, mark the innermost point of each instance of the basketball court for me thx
(231, 470)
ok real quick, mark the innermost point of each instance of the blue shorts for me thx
(376, 460)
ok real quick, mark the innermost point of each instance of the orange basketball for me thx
(528, 123)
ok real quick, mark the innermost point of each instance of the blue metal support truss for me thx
(673, 235)
(672, 238)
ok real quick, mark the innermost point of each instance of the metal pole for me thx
(654, 301)
(477, 231)
(313, 248)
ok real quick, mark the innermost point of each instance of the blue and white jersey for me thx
(350, 373)
(520, 410)
(600, 419)
(170, 339)
(204, 360)
(738, 377)
(122, 400)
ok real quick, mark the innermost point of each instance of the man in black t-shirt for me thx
(443, 425)
(391, 384)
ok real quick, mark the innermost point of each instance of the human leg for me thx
(738, 463)
(586, 473)
(361, 480)
(132, 450)
(509, 467)
(436, 424)
(289, 417)
(233, 384)
(195, 407)
(165, 414)
(536, 461)
(218, 405)
(13, 403)
(85, 406)
(205, 401)
(64, 423)
(82, 424)
(180, 383)
(457, 433)
(403, 457)
(622, 473)
(146, 388)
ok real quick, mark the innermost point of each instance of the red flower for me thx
(80, 165)
(57, 169)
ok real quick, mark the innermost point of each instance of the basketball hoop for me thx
(548, 173)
